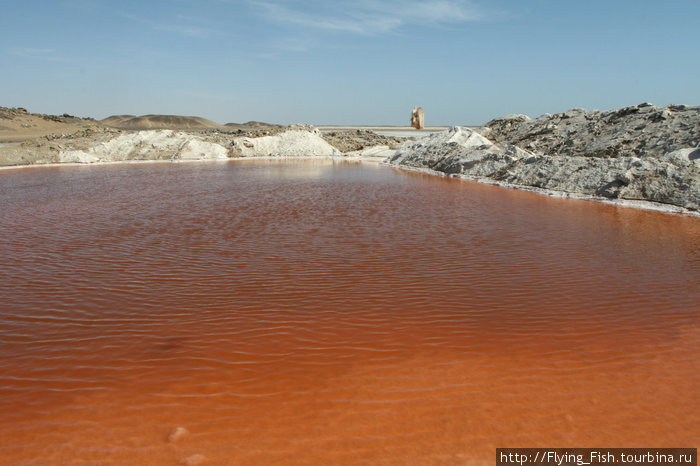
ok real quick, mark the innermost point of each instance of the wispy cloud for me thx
(292, 44)
(286, 45)
(357, 22)
(180, 25)
(44, 54)
(185, 30)
(430, 11)
(369, 17)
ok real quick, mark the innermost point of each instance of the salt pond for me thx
(334, 312)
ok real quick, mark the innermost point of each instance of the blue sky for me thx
(346, 62)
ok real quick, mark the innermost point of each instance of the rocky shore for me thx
(639, 153)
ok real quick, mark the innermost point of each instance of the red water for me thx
(312, 312)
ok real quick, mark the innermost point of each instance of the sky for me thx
(361, 62)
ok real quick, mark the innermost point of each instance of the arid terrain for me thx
(640, 153)
(17, 124)
(29, 138)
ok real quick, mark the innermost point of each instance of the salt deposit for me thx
(459, 150)
(293, 143)
(683, 157)
(642, 130)
(201, 150)
(170, 145)
(147, 145)
(374, 152)
(116, 146)
(669, 178)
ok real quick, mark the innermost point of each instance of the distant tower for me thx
(418, 118)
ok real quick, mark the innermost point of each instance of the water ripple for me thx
(356, 311)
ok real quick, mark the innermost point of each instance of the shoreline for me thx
(634, 204)
(640, 156)
(377, 160)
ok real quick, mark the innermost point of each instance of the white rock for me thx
(683, 157)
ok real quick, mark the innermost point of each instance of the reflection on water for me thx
(319, 312)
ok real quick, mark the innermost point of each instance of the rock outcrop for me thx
(659, 170)
(458, 150)
(638, 131)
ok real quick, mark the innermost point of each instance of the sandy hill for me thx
(130, 122)
(17, 124)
